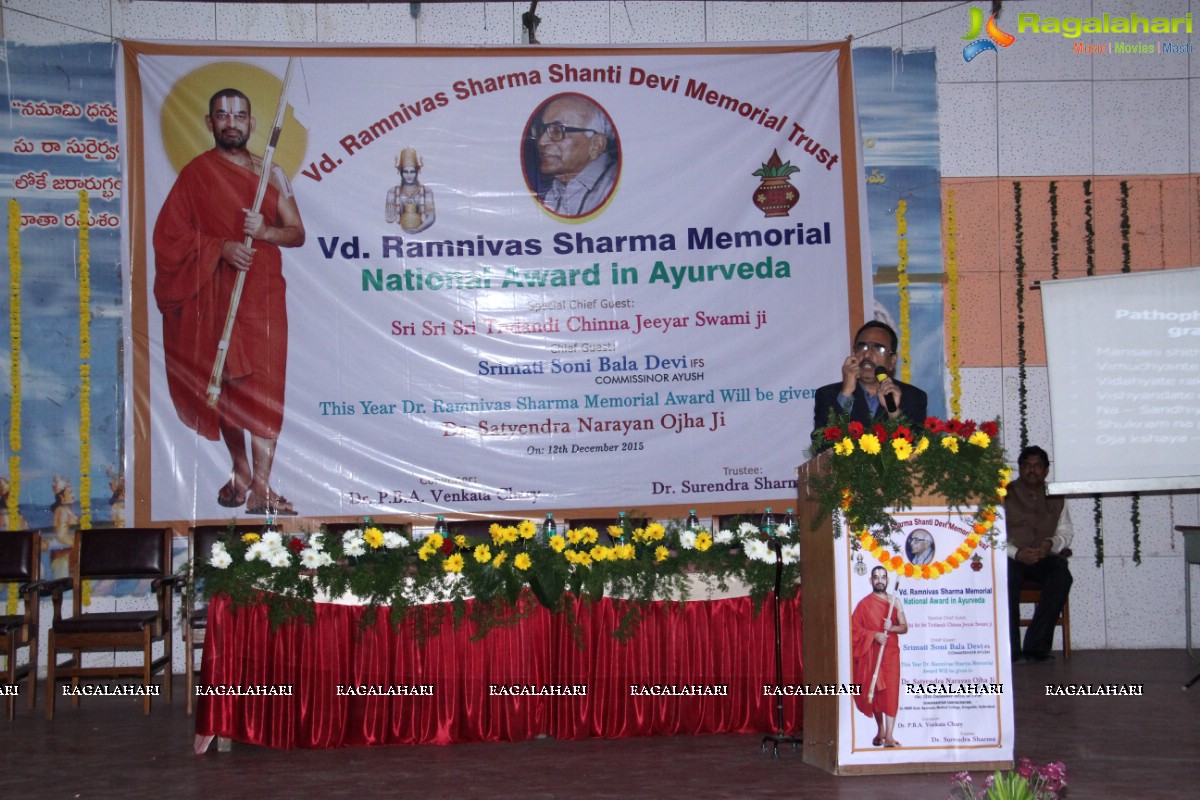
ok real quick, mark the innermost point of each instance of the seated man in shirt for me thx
(1039, 529)
(867, 392)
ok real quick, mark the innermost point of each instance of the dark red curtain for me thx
(698, 643)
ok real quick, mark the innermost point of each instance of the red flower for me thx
(833, 433)
(990, 428)
(902, 432)
(295, 544)
(856, 430)
(447, 546)
(967, 429)
(934, 425)
(880, 432)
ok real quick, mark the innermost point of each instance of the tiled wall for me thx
(1033, 113)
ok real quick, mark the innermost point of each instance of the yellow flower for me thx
(616, 532)
(661, 554)
(373, 537)
(434, 541)
(625, 552)
(460, 540)
(980, 439)
(922, 445)
(557, 543)
(501, 534)
(522, 561)
(454, 563)
(903, 449)
(425, 552)
(1005, 473)
(575, 535)
(869, 443)
(845, 447)
(703, 541)
(526, 529)
(601, 553)
(655, 532)
(1001, 491)
(249, 538)
(499, 559)
(950, 443)
(589, 535)
(483, 554)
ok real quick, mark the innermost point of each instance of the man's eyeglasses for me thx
(225, 116)
(555, 131)
(877, 349)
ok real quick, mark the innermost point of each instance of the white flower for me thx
(278, 557)
(220, 557)
(316, 541)
(784, 530)
(354, 547)
(311, 558)
(687, 539)
(757, 550)
(326, 559)
(393, 540)
(747, 529)
(790, 553)
(256, 552)
(724, 536)
(353, 533)
(272, 539)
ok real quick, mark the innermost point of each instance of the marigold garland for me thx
(902, 283)
(14, 414)
(14, 353)
(952, 306)
(85, 368)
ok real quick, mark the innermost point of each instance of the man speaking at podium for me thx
(867, 392)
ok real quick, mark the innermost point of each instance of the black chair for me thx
(114, 553)
(195, 616)
(19, 561)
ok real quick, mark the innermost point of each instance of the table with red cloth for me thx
(677, 646)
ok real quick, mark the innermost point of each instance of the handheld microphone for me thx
(888, 400)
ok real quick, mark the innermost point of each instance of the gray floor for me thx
(1114, 747)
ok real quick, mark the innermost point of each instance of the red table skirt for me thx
(698, 646)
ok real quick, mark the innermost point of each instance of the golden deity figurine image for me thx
(410, 203)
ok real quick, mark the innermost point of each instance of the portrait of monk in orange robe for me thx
(872, 627)
(198, 251)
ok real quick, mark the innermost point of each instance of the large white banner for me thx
(468, 330)
(951, 689)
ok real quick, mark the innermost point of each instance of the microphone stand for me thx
(779, 737)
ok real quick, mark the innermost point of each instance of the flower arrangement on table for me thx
(872, 470)
(503, 575)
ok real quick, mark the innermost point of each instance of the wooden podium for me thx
(819, 639)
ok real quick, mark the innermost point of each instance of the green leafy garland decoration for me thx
(1089, 229)
(1135, 517)
(1022, 388)
(1054, 230)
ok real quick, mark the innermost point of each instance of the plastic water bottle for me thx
(768, 524)
(439, 527)
(693, 522)
(548, 529)
(790, 520)
(621, 525)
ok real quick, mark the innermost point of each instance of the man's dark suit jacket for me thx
(913, 403)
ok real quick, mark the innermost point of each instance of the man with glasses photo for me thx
(868, 392)
(576, 152)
